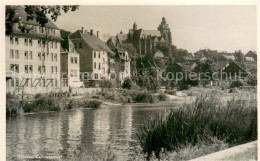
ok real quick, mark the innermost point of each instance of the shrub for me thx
(106, 84)
(162, 97)
(205, 118)
(127, 84)
(236, 84)
(144, 97)
(171, 92)
(91, 104)
(70, 105)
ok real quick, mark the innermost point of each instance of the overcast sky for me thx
(223, 28)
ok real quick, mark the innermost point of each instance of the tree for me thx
(205, 69)
(35, 12)
(166, 48)
(180, 55)
(239, 56)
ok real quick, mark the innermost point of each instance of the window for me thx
(51, 44)
(16, 40)
(94, 54)
(71, 60)
(96, 76)
(55, 44)
(56, 69)
(30, 42)
(39, 69)
(76, 60)
(30, 55)
(26, 54)
(80, 45)
(17, 68)
(52, 71)
(98, 55)
(99, 67)
(17, 82)
(104, 61)
(55, 57)
(43, 69)
(43, 56)
(26, 68)
(39, 56)
(17, 54)
(53, 31)
(39, 43)
(51, 56)
(31, 68)
(26, 42)
(11, 53)
(12, 82)
(95, 66)
(11, 39)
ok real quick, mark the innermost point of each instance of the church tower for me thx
(134, 27)
(165, 31)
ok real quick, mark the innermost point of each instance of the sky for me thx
(224, 28)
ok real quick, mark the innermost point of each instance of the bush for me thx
(171, 92)
(236, 84)
(205, 118)
(127, 84)
(162, 97)
(94, 104)
(70, 105)
(144, 97)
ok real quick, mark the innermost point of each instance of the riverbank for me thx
(116, 97)
(231, 121)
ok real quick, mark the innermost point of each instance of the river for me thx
(62, 135)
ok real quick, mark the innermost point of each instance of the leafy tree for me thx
(180, 55)
(239, 56)
(127, 84)
(236, 84)
(205, 69)
(34, 12)
(166, 48)
(130, 49)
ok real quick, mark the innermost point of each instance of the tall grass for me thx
(235, 122)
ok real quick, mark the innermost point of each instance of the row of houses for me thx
(42, 61)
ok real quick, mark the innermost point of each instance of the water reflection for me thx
(63, 135)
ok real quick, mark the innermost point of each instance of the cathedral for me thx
(144, 41)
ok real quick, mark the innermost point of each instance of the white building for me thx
(70, 69)
(33, 59)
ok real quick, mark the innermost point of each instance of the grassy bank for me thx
(206, 118)
(16, 106)
(130, 96)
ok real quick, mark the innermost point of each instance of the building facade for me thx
(144, 41)
(96, 58)
(70, 69)
(33, 58)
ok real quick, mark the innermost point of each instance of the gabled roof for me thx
(249, 59)
(220, 65)
(22, 13)
(92, 41)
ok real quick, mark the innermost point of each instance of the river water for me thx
(62, 135)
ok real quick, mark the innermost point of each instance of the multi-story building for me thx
(33, 58)
(96, 58)
(122, 63)
(70, 76)
(144, 41)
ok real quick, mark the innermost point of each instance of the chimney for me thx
(82, 29)
(91, 32)
(97, 33)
